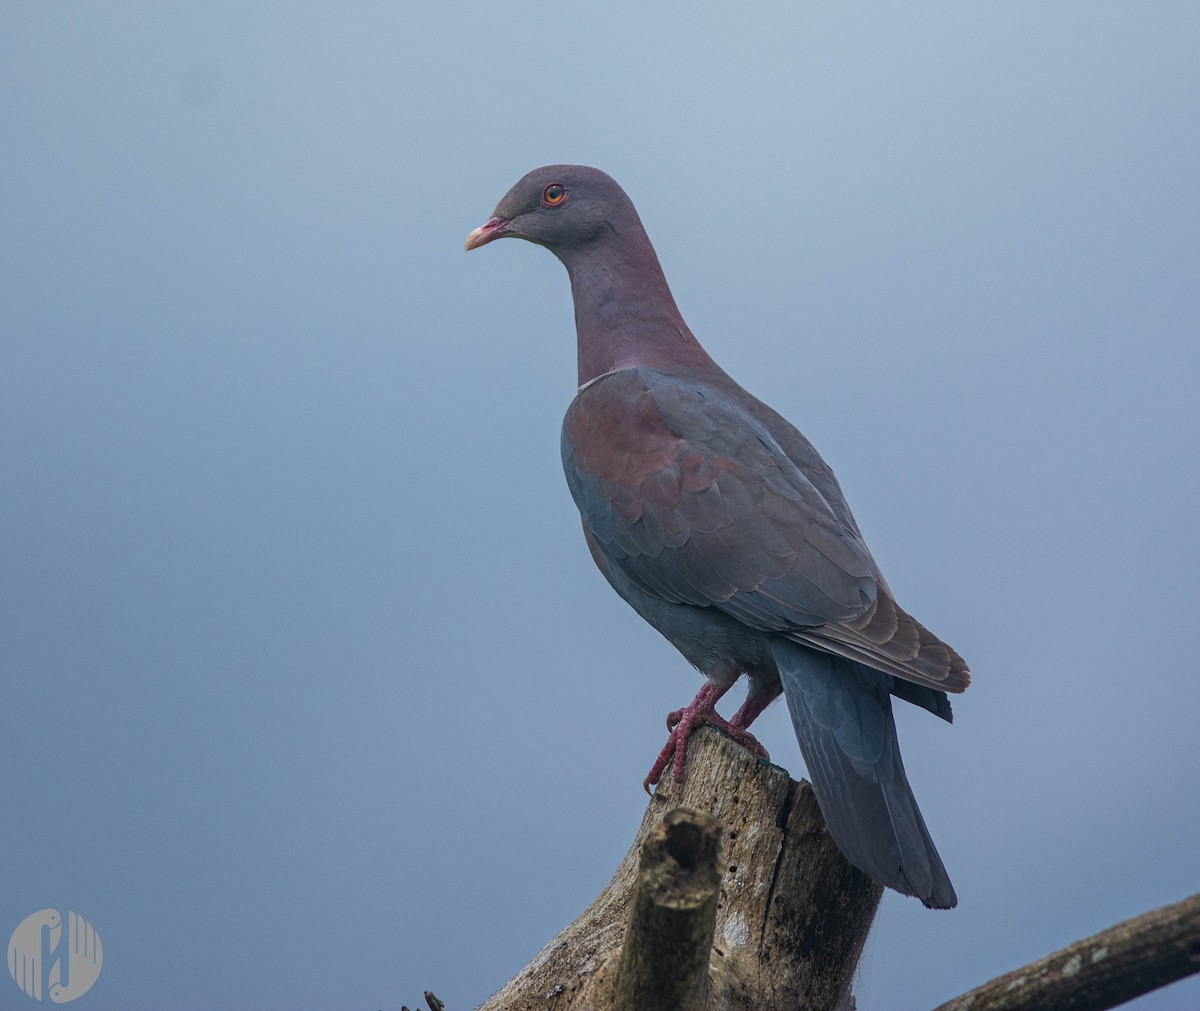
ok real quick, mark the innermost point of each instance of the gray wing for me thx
(687, 489)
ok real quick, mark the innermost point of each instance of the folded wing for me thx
(701, 495)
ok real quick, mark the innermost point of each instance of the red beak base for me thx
(493, 229)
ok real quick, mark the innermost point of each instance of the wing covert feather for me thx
(702, 495)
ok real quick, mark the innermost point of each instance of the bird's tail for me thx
(842, 714)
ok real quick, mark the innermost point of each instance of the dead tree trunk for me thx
(738, 901)
(734, 897)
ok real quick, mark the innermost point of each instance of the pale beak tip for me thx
(493, 228)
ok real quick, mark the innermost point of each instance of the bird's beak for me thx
(484, 234)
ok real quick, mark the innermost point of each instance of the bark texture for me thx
(664, 957)
(1101, 971)
(734, 897)
(790, 919)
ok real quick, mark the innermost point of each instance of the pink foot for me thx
(700, 711)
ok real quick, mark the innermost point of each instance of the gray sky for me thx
(312, 695)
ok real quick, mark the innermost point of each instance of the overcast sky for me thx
(312, 697)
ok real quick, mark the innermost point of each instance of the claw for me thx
(700, 711)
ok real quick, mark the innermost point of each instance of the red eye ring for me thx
(554, 194)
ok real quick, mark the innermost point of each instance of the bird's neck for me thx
(625, 314)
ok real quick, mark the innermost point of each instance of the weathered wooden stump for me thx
(732, 896)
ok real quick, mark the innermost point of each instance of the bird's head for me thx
(561, 207)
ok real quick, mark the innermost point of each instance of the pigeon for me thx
(719, 524)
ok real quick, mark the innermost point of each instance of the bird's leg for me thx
(702, 702)
(681, 723)
(702, 710)
(755, 703)
(736, 728)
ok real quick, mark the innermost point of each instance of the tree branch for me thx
(664, 959)
(1102, 971)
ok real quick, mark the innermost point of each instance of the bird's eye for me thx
(554, 194)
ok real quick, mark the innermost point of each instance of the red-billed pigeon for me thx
(719, 523)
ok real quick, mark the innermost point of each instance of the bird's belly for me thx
(713, 642)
